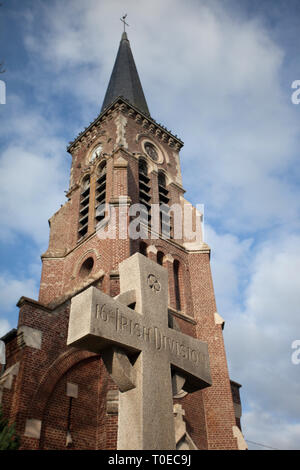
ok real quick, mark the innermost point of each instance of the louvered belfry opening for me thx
(100, 195)
(144, 192)
(164, 209)
(84, 207)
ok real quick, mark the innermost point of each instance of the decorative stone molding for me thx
(30, 336)
(71, 190)
(183, 439)
(121, 122)
(145, 123)
(119, 201)
(178, 169)
(195, 247)
(168, 258)
(161, 155)
(237, 410)
(138, 118)
(6, 380)
(69, 439)
(33, 428)
(151, 249)
(219, 320)
(94, 144)
(92, 252)
(240, 438)
(123, 106)
(120, 163)
(2, 354)
(72, 390)
(112, 402)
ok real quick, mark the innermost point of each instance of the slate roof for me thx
(124, 80)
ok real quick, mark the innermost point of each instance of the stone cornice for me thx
(121, 104)
(177, 186)
(26, 300)
(55, 255)
(53, 305)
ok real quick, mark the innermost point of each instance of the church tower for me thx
(61, 397)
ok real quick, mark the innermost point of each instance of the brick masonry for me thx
(39, 391)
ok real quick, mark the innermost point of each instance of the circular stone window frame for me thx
(84, 271)
(159, 151)
(89, 159)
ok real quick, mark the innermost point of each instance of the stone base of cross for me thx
(140, 351)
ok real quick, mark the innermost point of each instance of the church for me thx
(65, 395)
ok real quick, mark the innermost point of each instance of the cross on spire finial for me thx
(123, 21)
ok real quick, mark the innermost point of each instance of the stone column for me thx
(152, 253)
(168, 261)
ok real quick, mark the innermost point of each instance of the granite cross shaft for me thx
(139, 351)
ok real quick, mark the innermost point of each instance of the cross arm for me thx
(188, 356)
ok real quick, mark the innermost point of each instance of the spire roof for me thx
(124, 80)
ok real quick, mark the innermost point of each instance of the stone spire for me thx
(124, 80)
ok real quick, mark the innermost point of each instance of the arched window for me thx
(143, 248)
(160, 257)
(143, 167)
(84, 207)
(161, 179)
(176, 268)
(163, 194)
(144, 191)
(100, 196)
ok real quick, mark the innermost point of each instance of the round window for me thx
(151, 151)
(86, 267)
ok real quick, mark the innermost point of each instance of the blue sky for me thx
(218, 74)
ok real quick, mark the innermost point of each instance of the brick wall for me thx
(39, 389)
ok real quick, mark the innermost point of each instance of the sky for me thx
(219, 75)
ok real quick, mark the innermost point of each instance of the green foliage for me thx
(8, 439)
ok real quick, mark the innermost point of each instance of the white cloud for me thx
(267, 429)
(217, 82)
(4, 326)
(258, 340)
(33, 173)
(11, 289)
(30, 191)
(230, 267)
(257, 291)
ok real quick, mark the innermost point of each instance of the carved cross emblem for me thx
(153, 283)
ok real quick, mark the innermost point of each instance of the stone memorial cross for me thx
(140, 350)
